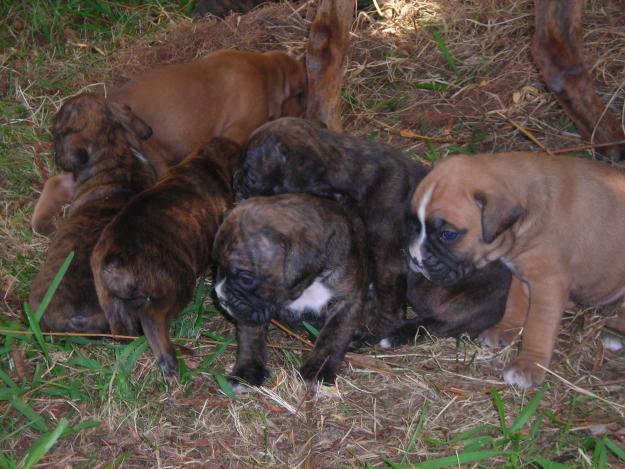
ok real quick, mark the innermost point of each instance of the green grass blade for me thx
(53, 286)
(34, 326)
(208, 361)
(442, 46)
(7, 380)
(431, 85)
(479, 430)
(131, 353)
(600, 455)
(614, 448)
(499, 405)
(311, 329)
(224, 385)
(418, 429)
(455, 460)
(528, 411)
(36, 420)
(39, 449)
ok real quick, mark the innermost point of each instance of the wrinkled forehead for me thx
(443, 197)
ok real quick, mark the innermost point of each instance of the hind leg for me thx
(156, 330)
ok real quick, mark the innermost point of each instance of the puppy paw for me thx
(612, 343)
(498, 336)
(524, 373)
(312, 372)
(251, 376)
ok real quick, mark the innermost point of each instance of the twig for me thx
(588, 146)
(283, 328)
(528, 134)
(406, 133)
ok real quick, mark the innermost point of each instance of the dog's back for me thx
(147, 260)
(226, 93)
(108, 174)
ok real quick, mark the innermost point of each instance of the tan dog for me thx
(226, 93)
(557, 222)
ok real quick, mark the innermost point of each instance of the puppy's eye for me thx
(448, 236)
(246, 280)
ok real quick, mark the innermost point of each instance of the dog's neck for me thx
(116, 170)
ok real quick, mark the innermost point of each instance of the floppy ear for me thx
(499, 212)
(294, 258)
(123, 115)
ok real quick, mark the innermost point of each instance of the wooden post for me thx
(325, 59)
(557, 50)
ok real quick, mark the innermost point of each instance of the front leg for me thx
(330, 347)
(513, 320)
(390, 290)
(548, 297)
(251, 355)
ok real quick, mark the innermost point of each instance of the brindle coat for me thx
(95, 141)
(292, 257)
(294, 155)
(149, 257)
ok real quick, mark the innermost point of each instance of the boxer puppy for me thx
(292, 257)
(226, 93)
(96, 143)
(148, 259)
(293, 155)
(521, 208)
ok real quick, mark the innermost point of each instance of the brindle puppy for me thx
(149, 257)
(96, 142)
(291, 257)
(293, 155)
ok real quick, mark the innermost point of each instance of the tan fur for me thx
(227, 93)
(57, 192)
(566, 243)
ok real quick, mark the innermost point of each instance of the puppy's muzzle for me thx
(443, 270)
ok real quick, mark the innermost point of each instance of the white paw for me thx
(240, 388)
(612, 343)
(516, 377)
(385, 344)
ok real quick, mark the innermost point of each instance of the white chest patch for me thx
(415, 247)
(314, 298)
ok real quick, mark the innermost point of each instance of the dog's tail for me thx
(119, 293)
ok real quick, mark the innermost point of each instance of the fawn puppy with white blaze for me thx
(558, 223)
(97, 142)
(226, 93)
(148, 259)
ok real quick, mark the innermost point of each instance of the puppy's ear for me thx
(294, 258)
(499, 212)
(123, 115)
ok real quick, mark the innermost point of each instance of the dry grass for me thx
(436, 389)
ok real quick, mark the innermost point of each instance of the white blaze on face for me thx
(221, 294)
(415, 247)
(314, 298)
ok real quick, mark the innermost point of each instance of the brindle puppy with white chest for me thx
(377, 181)
(292, 257)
